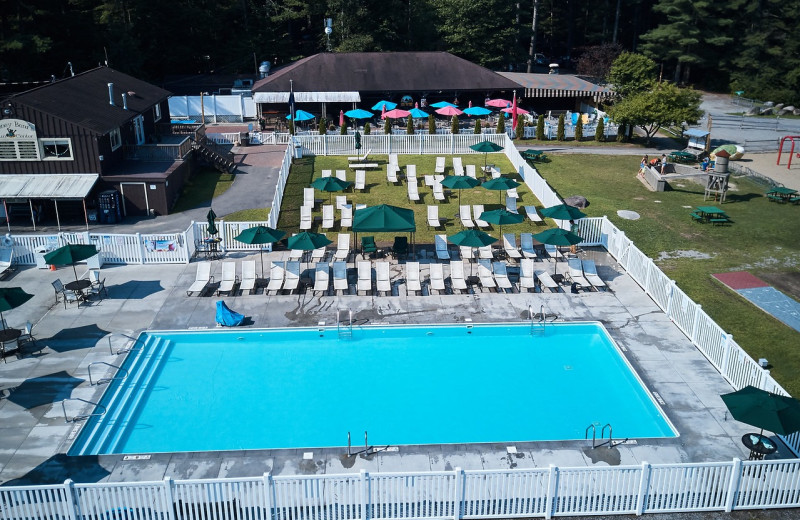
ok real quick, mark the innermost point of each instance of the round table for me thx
(78, 287)
(7, 336)
(759, 445)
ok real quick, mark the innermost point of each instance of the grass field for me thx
(204, 185)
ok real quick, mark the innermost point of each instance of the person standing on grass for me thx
(645, 162)
(663, 163)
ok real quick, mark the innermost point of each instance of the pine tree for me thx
(431, 124)
(410, 126)
(387, 126)
(579, 128)
(600, 130)
(477, 130)
(560, 129)
(540, 128)
(343, 129)
(520, 130)
(291, 127)
(323, 126)
(454, 125)
(367, 128)
(501, 124)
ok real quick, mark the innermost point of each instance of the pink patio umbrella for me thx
(397, 113)
(383, 112)
(341, 117)
(511, 110)
(499, 103)
(449, 111)
(514, 112)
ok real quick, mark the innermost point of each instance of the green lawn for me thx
(204, 185)
(763, 240)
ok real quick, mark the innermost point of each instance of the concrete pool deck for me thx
(34, 436)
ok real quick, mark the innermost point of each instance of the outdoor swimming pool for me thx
(443, 384)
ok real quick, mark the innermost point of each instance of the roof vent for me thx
(125, 101)
(111, 94)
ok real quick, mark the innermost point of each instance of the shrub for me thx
(579, 128)
(477, 127)
(519, 131)
(501, 124)
(410, 126)
(601, 129)
(343, 129)
(540, 128)
(323, 126)
(291, 127)
(454, 125)
(387, 126)
(431, 124)
(367, 128)
(560, 129)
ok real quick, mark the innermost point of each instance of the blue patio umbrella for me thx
(477, 111)
(301, 115)
(416, 113)
(442, 104)
(387, 104)
(358, 113)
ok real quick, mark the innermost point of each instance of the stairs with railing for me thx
(205, 149)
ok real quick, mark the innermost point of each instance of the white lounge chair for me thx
(575, 274)
(308, 198)
(471, 171)
(341, 201)
(347, 217)
(467, 253)
(429, 180)
(411, 171)
(458, 167)
(590, 272)
(327, 216)
(433, 217)
(546, 280)
(510, 245)
(511, 205)
(364, 276)
(392, 159)
(441, 247)
(477, 211)
(439, 165)
(382, 280)
(248, 282)
(512, 193)
(438, 191)
(305, 217)
(361, 180)
(318, 254)
(340, 277)
(277, 273)
(413, 191)
(526, 276)
(361, 158)
(391, 173)
(437, 278)
(485, 277)
(465, 216)
(342, 247)
(6, 259)
(501, 275)
(341, 175)
(552, 252)
(292, 276)
(533, 215)
(485, 252)
(457, 280)
(412, 277)
(526, 245)
(327, 173)
(495, 172)
(201, 279)
(322, 277)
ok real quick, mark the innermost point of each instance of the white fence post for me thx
(140, 243)
(268, 488)
(169, 499)
(72, 504)
(697, 310)
(672, 285)
(726, 354)
(644, 482)
(364, 494)
(550, 502)
(458, 493)
(733, 485)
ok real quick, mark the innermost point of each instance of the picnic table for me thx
(533, 155)
(783, 194)
(710, 214)
(682, 157)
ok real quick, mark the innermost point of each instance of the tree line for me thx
(744, 45)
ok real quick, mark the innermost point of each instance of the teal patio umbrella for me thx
(562, 212)
(501, 216)
(70, 254)
(443, 104)
(416, 113)
(459, 182)
(330, 184)
(212, 226)
(301, 115)
(472, 238)
(384, 218)
(307, 241)
(486, 147)
(358, 113)
(11, 298)
(500, 184)
(776, 413)
(388, 105)
(260, 235)
(477, 111)
(558, 237)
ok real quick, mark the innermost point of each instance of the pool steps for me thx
(123, 401)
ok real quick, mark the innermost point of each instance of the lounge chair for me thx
(322, 277)
(467, 253)
(6, 259)
(400, 247)
(457, 280)
(364, 276)
(361, 158)
(347, 217)
(533, 215)
(526, 276)
(412, 277)
(305, 217)
(590, 273)
(391, 173)
(465, 216)
(340, 277)
(511, 205)
(341, 175)
(526, 245)
(361, 180)
(510, 245)
(458, 167)
(575, 274)
(368, 245)
(501, 275)
(296, 254)
(318, 254)
(327, 173)
(342, 247)
(552, 252)
(201, 279)
(308, 198)
(341, 201)
(441, 247)
(485, 277)
(439, 165)
(546, 280)
(413, 191)
(292, 276)
(248, 282)
(437, 278)
(277, 273)
(512, 193)
(382, 280)
(392, 159)
(411, 172)
(485, 253)
(229, 278)
(433, 217)
(328, 219)
(471, 171)
(438, 191)
(477, 211)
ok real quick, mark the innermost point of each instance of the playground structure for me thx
(791, 150)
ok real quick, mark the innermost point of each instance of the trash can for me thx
(244, 138)
(298, 150)
(38, 255)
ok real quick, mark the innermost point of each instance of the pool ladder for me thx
(344, 329)
(106, 379)
(537, 321)
(130, 348)
(593, 427)
(83, 416)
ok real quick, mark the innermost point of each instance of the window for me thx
(55, 149)
(116, 139)
(22, 150)
(157, 113)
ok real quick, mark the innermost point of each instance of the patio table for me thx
(10, 336)
(781, 194)
(711, 212)
(759, 445)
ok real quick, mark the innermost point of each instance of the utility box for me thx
(38, 255)
(109, 206)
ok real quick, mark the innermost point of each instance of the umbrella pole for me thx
(261, 254)
(75, 271)
(2, 321)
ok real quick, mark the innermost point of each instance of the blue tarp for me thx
(226, 317)
(695, 132)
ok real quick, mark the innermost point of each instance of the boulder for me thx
(577, 201)
(790, 108)
(769, 104)
(783, 112)
(778, 106)
(754, 111)
(796, 112)
(766, 112)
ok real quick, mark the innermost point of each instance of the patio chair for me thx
(467, 253)
(27, 335)
(495, 172)
(457, 280)
(526, 277)
(411, 172)
(361, 158)
(6, 259)
(364, 276)
(413, 191)
(438, 191)
(458, 167)
(526, 245)
(533, 215)
(347, 217)
(201, 279)
(501, 275)
(229, 278)
(292, 276)
(277, 273)
(400, 247)
(328, 219)
(341, 175)
(485, 277)
(368, 245)
(322, 277)
(391, 173)
(340, 277)
(441, 247)
(318, 254)
(308, 198)
(97, 288)
(511, 205)
(471, 171)
(327, 173)
(341, 201)
(342, 247)
(552, 252)
(546, 280)
(305, 217)
(477, 211)
(439, 165)
(485, 252)
(361, 180)
(248, 282)
(512, 193)
(437, 277)
(412, 277)
(296, 254)
(392, 159)
(465, 216)
(590, 273)
(433, 217)
(382, 280)
(510, 246)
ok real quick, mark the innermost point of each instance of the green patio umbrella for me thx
(557, 237)
(330, 184)
(358, 140)
(459, 182)
(212, 226)
(472, 238)
(486, 147)
(70, 254)
(776, 413)
(307, 241)
(384, 218)
(501, 216)
(563, 212)
(260, 235)
(500, 184)
(11, 298)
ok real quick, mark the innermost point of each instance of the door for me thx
(134, 199)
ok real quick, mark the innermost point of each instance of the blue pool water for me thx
(290, 388)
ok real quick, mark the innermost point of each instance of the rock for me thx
(769, 104)
(796, 112)
(576, 201)
(778, 106)
(754, 111)
(783, 112)
(766, 112)
(790, 108)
